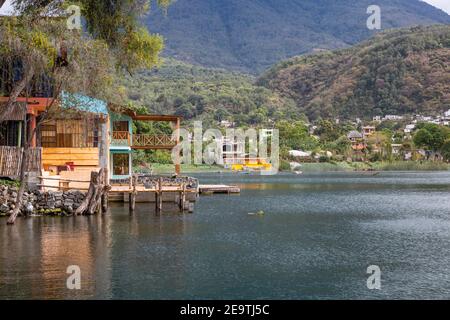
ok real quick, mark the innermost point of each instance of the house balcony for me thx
(153, 142)
(142, 141)
(121, 139)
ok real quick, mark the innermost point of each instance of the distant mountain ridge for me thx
(251, 35)
(396, 72)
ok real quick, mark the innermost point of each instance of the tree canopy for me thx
(431, 136)
(112, 39)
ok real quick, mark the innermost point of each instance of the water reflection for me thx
(36, 253)
(319, 234)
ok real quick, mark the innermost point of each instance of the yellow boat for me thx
(250, 164)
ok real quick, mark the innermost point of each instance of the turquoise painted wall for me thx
(121, 117)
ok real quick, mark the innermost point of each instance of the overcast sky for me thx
(442, 4)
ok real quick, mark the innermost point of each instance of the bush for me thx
(9, 183)
(285, 165)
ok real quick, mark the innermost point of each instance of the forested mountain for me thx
(396, 72)
(208, 94)
(251, 35)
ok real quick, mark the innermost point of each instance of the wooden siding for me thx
(79, 156)
(11, 161)
(70, 133)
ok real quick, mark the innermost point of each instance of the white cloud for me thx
(441, 4)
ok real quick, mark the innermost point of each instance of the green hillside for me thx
(208, 94)
(252, 35)
(396, 72)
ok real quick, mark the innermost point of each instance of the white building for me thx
(410, 128)
(266, 133)
(392, 117)
(227, 124)
(232, 150)
(377, 119)
(300, 154)
(447, 114)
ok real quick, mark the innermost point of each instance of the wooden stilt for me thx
(105, 203)
(104, 200)
(183, 198)
(160, 195)
(132, 196)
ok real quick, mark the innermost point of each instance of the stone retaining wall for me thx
(40, 202)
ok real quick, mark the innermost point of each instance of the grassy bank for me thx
(377, 166)
(411, 166)
(323, 167)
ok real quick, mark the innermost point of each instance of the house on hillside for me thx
(368, 131)
(357, 140)
(447, 115)
(358, 145)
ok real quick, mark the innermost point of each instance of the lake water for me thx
(319, 234)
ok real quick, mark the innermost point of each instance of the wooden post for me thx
(105, 193)
(132, 203)
(159, 198)
(177, 165)
(183, 197)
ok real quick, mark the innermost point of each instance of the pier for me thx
(142, 188)
(220, 188)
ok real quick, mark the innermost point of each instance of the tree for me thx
(295, 135)
(341, 146)
(327, 131)
(381, 141)
(445, 150)
(431, 136)
(77, 61)
(423, 138)
(115, 24)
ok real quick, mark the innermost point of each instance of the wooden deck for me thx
(127, 189)
(211, 189)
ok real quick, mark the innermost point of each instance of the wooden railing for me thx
(146, 141)
(121, 138)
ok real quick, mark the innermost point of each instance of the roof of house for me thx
(83, 103)
(17, 113)
(354, 135)
(132, 113)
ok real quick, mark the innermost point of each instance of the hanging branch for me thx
(17, 90)
(23, 168)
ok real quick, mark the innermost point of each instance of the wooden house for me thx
(120, 159)
(83, 135)
(123, 140)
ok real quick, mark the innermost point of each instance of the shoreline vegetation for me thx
(322, 167)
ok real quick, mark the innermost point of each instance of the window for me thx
(120, 126)
(121, 164)
(70, 134)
